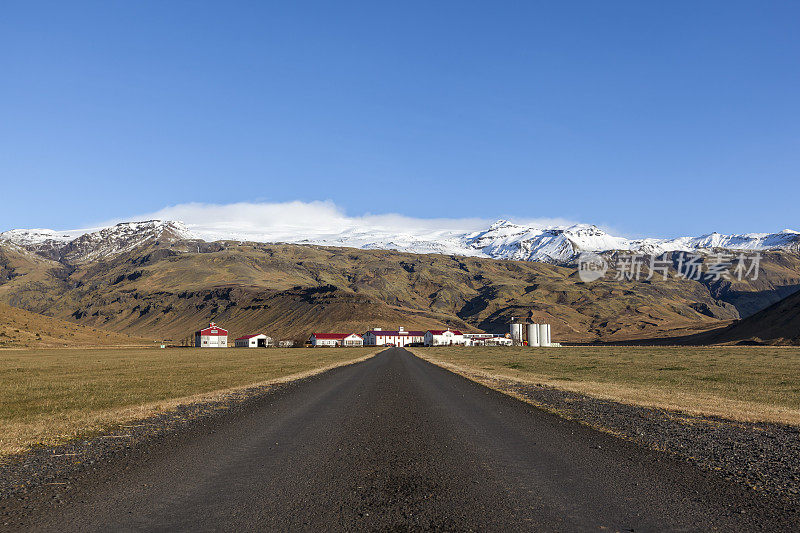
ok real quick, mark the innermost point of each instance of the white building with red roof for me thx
(444, 337)
(211, 337)
(336, 339)
(401, 337)
(258, 340)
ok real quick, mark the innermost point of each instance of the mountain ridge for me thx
(557, 244)
(159, 284)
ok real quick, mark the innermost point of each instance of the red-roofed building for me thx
(254, 341)
(336, 339)
(401, 337)
(211, 337)
(444, 337)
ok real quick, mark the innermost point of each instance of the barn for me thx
(336, 339)
(211, 337)
(258, 340)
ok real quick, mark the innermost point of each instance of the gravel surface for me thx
(763, 456)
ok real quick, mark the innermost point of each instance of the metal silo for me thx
(533, 334)
(544, 334)
(516, 333)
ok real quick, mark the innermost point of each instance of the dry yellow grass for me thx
(20, 329)
(739, 383)
(49, 396)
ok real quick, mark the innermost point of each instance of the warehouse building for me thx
(211, 337)
(254, 341)
(401, 337)
(336, 339)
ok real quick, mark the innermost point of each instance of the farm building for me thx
(401, 337)
(489, 341)
(479, 335)
(285, 344)
(446, 337)
(211, 337)
(486, 339)
(253, 341)
(336, 339)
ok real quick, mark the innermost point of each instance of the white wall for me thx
(213, 341)
(324, 342)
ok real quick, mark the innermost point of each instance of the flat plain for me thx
(753, 384)
(49, 396)
(391, 443)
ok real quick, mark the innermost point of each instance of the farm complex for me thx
(215, 336)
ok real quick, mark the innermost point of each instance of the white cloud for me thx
(314, 221)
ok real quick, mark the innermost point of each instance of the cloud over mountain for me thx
(313, 221)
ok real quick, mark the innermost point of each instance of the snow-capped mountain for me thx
(33, 237)
(501, 240)
(505, 240)
(559, 245)
(750, 241)
(78, 246)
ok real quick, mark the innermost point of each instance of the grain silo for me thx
(516, 333)
(533, 335)
(544, 334)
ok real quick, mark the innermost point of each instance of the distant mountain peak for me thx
(501, 223)
(151, 225)
(124, 237)
(78, 246)
(34, 236)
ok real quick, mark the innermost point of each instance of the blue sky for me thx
(650, 118)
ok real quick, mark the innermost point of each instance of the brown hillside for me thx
(291, 290)
(777, 324)
(24, 329)
(169, 290)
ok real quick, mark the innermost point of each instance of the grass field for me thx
(742, 383)
(48, 396)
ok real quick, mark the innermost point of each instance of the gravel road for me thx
(393, 443)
